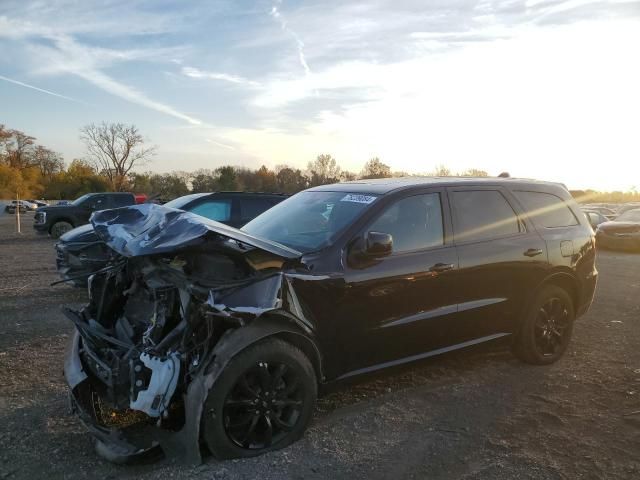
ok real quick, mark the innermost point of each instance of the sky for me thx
(546, 89)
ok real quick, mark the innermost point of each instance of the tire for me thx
(60, 228)
(241, 408)
(546, 328)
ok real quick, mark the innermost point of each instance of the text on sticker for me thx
(353, 197)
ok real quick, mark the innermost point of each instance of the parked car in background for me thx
(595, 218)
(24, 206)
(206, 335)
(56, 220)
(80, 252)
(627, 206)
(609, 213)
(39, 203)
(623, 233)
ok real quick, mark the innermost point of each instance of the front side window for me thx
(96, 202)
(218, 210)
(310, 220)
(546, 209)
(481, 215)
(415, 223)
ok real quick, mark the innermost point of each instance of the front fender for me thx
(185, 444)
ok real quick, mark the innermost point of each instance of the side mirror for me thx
(378, 244)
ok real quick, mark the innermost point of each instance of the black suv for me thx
(59, 219)
(80, 252)
(204, 334)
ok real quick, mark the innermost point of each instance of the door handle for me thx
(532, 252)
(441, 267)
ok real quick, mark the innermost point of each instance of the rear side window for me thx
(483, 214)
(250, 207)
(546, 209)
(218, 210)
(121, 200)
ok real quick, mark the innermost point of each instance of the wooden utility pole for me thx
(18, 212)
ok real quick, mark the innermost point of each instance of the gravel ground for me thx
(477, 414)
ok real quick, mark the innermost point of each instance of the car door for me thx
(395, 307)
(501, 256)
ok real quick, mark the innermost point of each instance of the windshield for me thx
(309, 220)
(81, 199)
(629, 216)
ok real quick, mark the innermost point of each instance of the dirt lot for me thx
(476, 414)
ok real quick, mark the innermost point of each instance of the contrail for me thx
(275, 13)
(40, 89)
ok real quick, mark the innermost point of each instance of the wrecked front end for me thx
(162, 323)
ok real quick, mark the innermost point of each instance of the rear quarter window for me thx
(546, 209)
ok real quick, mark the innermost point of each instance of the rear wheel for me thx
(547, 327)
(262, 401)
(60, 228)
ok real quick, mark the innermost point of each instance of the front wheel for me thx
(60, 228)
(262, 401)
(546, 328)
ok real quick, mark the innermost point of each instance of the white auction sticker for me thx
(357, 198)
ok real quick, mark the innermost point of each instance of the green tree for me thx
(290, 180)
(227, 178)
(323, 170)
(374, 168)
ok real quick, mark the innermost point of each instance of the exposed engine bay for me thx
(160, 326)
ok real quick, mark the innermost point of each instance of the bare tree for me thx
(19, 150)
(48, 161)
(115, 148)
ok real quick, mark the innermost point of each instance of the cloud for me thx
(54, 53)
(48, 92)
(196, 73)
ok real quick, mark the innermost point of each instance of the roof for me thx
(383, 186)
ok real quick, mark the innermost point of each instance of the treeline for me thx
(593, 196)
(113, 150)
(33, 171)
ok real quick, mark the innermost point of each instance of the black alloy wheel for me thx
(262, 401)
(546, 328)
(263, 406)
(551, 326)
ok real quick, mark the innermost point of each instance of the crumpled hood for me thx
(150, 229)
(84, 234)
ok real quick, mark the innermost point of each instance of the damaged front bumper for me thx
(163, 322)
